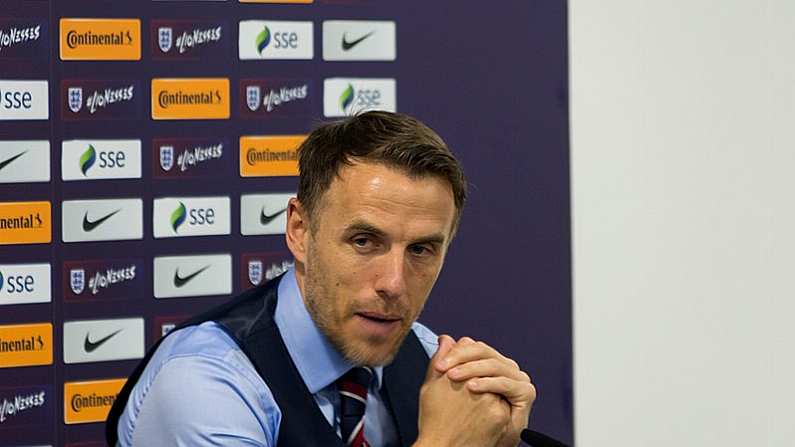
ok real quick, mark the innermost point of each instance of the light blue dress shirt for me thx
(200, 389)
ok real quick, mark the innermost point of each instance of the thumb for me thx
(446, 343)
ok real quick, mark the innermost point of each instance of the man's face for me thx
(376, 246)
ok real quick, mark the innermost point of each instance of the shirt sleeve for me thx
(215, 405)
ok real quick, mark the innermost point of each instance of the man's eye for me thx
(419, 250)
(361, 242)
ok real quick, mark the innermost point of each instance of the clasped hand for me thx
(473, 396)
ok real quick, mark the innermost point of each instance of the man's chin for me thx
(371, 354)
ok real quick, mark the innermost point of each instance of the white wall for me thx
(683, 183)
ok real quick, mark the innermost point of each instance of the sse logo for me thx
(345, 97)
(25, 283)
(83, 100)
(191, 216)
(188, 40)
(24, 100)
(191, 157)
(100, 39)
(100, 159)
(259, 39)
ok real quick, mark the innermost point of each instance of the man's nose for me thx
(391, 275)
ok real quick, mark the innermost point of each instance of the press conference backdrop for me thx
(147, 150)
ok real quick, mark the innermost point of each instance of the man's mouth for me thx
(378, 324)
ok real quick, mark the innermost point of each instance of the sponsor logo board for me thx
(359, 40)
(95, 99)
(191, 157)
(349, 96)
(269, 156)
(23, 38)
(100, 39)
(265, 98)
(189, 39)
(90, 401)
(25, 223)
(100, 159)
(183, 276)
(24, 100)
(190, 216)
(278, 1)
(25, 283)
(102, 220)
(25, 405)
(263, 213)
(103, 340)
(190, 98)
(25, 345)
(24, 161)
(95, 280)
(256, 268)
(272, 39)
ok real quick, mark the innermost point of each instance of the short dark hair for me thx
(394, 139)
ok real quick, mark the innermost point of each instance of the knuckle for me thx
(466, 340)
(525, 377)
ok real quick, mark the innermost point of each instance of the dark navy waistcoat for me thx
(248, 319)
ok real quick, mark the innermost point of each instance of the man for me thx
(331, 353)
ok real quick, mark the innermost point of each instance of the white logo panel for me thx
(25, 284)
(24, 100)
(271, 39)
(103, 340)
(102, 220)
(263, 213)
(349, 96)
(180, 276)
(100, 159)
(191, 216)
(359, 40)
(24, 161)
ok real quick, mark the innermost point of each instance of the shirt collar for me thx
(318, 362)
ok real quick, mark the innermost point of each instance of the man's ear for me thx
(297, 231)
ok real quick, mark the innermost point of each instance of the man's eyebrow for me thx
(364, 227)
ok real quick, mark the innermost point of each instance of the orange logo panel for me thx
(25, 345)
(100, 39)
(190, 98)
(25, 223)
(270, 156)
(90, 401)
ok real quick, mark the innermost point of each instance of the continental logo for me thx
(25, 345)
(190, 98)
(269, 156)
(89, 401)
(100, 39)
(25, 223)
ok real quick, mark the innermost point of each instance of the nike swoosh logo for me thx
(90, 226)
(346, 45)
(265, 219)
(5, 163)
(180, 281)
(91, 346)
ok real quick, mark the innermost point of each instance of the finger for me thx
(519, 393)
(490, 367)
(446, 343)
(462, 353)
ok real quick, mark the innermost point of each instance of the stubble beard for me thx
(329, 321)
